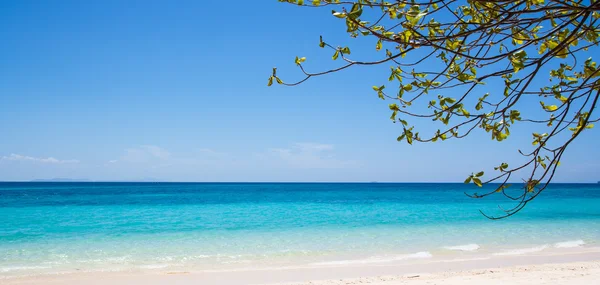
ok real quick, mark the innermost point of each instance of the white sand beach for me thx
(581, 267)
(564, 273)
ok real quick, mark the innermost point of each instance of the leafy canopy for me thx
(468, 44)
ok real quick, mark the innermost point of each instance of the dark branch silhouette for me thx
(516, 44)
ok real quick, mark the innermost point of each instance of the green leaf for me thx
(479, 106)
(356, 11)
(338, 14)
(563, 99)
(518, 60)
(379, 45)
(468, 180)
(514, 115)
(335, 55)
(542, 48)
(479, 174)
(551, 108)
(300, 60)
(453, 44)
(465, 112)
(270, 81)
(477, 182)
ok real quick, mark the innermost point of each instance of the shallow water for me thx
(68, 227)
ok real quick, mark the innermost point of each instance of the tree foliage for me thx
(444, 54)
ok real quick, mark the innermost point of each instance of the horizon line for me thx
(266, 182)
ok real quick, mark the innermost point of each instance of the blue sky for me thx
(176, 91)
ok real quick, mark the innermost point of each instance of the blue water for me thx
(69, 227)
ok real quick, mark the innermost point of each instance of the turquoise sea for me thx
(49, 228)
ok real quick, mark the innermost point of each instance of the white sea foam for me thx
(564, 244)
(153, 266)
(18, 268)
(194, 257)
(569, 244)
(378, 259)
(523, 250)
(464, 247)
(465, 259)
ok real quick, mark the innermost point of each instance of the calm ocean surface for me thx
(68, 227)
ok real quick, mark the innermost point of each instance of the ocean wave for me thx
(378, 259)
(105, 260)
(569, 244)
(464, 247)
(19, 268)
(190, 258)
(153, 266)
(523, 250)
(564, 244)
(465, 259)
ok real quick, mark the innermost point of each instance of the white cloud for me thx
(207, 152)
(52, 160)
(155, 162)
(207, 164)
(310, 155)
(312, 147)
(143, 153)
(156, 151)
(151, 156)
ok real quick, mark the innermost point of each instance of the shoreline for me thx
(573, 267)
(124, 263)
(575, 273)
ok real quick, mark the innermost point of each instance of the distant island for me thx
(88, 180)
(60, 180)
